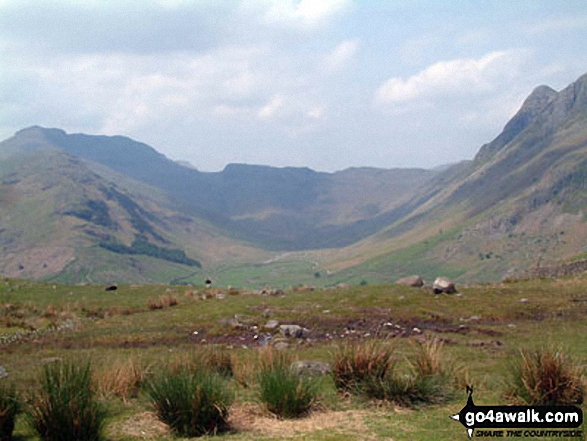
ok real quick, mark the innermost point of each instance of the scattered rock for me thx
(3, 372)
(280, 344)
(220, 296)
(293, 331)
(443, 285)
(412, 281)
(271, 325)
(524, 300)
(311, 368)
(485, 343)
(264, 339)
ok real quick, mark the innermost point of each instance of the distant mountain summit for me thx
(111, 208)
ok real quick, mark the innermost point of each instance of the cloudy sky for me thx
(327, 84)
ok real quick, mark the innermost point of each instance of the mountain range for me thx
(80, 208)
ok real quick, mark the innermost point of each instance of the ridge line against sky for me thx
(327, 84)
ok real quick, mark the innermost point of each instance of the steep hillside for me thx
(277, 208)
(520, 203)
(62, 221)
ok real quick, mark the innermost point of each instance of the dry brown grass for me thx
(120, 378)
(144, 425)
(357, 362)
(428, 359)
(249, 418)
(546, 377)
(164, 301)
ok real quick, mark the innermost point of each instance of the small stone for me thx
(524, 300)
(271, 325)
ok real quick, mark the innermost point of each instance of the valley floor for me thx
(483, 328)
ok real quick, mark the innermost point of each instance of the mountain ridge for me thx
(519, 201)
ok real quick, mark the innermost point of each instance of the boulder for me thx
(443, 285)
(413, 281)
(293, 331)
(311, 368)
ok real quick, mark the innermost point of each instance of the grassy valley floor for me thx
(483, 328)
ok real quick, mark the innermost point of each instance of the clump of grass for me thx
(162, 302)
(545, 377)
(120, 378)
(369, 369)
(10, 407)
(193, 402)
(218, 360)
(283, 392)
(356, 363)
(66, 407)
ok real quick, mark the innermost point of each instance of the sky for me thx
(325, 84)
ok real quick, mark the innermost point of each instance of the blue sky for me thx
(327, 84)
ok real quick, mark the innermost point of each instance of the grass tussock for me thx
(546, 377)
(356, 363)
(164, 301)
(282, 391)
(66, 407)
(10, 407)
(120, 378)
(193, 402)
(369, 370)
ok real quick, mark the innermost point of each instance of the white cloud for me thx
(272, 107)
(454, 77)
(341, 55)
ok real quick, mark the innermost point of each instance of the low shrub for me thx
(66, 408)
(545, 377)
(283, 392)
(10, 407)
(193, 402)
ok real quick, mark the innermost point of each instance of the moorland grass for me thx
(121, 377)
(357, 363)
(546, 376)
(10, 407)
(282, 391)
(192, 401)
(65, 408)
